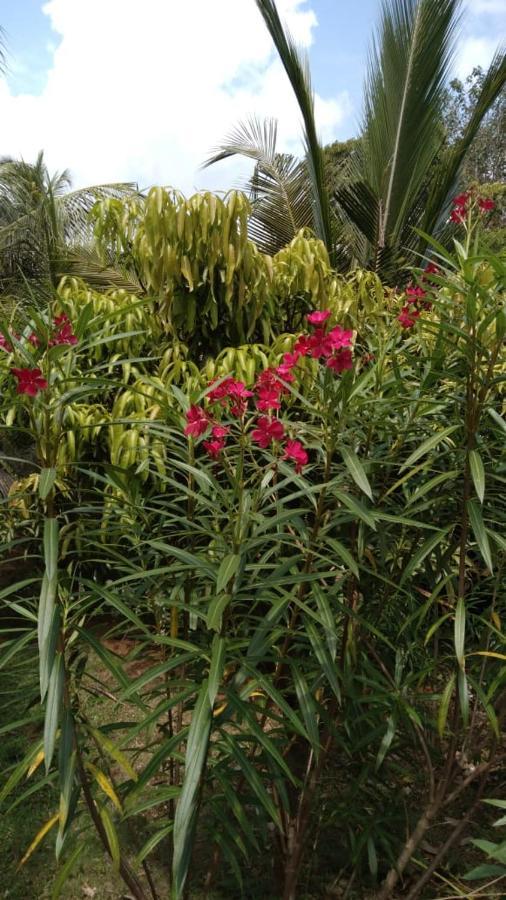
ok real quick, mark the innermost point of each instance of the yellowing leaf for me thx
(105, 784)
(38, 837)
(36, 763)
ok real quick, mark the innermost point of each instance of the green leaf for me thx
(497, 418)
(463, 696)
(427, 547)
(356, 508)
(53, 708)
(112, 838)
(51, 547)
(227, 570)
(217, 607)
(344, 554)
(478, 473)
(65, 871)
(218, 651)
(114, 752)
(442, 715)
(484, 871)
(460, 631)
(387, 740)
(153, 842)
(428, 445)
(356, 470)
(47, 479)
(187, 805)
(476, 520)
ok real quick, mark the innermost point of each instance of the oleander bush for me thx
(254, 587)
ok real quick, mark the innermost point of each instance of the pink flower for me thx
(267, 430)
(64, 334)
(214, 448)
(294, 450)
(321, 343)
(197, 421)
(290, 359)
(233, 390)
(303, 345)
(219, 431)
(285, 372)
(408, 316)
(341, 360)
(485, 204)
(238, 390)
(33, 339)
(318, 318)
(458, 215)
(340, 338)
(414, 294)
(30, 381)
(5, 344)
(431, 269)
(268, 398)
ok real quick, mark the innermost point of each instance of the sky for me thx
(143, 90)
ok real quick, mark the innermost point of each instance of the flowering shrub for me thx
(300, 546)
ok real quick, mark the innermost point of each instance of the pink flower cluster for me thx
(462, 203)
(63, 333)
(334, 346)
(31, 381)
(416, 297)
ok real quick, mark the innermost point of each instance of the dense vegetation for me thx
(252, 534)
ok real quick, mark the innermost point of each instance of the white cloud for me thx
(472, 52)
(143, 90)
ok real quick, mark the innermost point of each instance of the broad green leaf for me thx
(428, 445)
(478, 473)
(187, 805)
(218, 651)
(480, 534)
(51, 547)
(484, 871)
(53, 709)
(47, 479)
(217, 607)
(227, 570)
(356, 470)
(460, 631)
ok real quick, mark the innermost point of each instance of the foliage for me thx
(253, 634)
(484, 162)
(45, 229)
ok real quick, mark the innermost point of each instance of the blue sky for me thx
(161, 81)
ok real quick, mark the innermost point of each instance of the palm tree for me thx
(45, 230)
(402, 178)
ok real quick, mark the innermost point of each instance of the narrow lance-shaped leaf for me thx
(356, 470)
(478, 474)
(479, 531)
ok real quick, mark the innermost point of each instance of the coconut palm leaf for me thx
(279, 188)
(297, 69)
(43, 226)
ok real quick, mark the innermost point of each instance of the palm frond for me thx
(279, 187)
(297, 69)
(409, 65)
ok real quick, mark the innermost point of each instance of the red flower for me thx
(485, 204)
(458, 215)
(219, 431)
(414, 294)
(290, 359)
(33, 340)
(30, 381)
(340, 360)
(5, 344)
(462, 199)
(408, 316)
(197, 421)
(64, 335)
(268, 398)
(214, 448)
(285, 372)
(294, 450)
(431, 269)
(303, 345)
(267, 430)
(340, 338)
(318, 318)
(233, 390)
